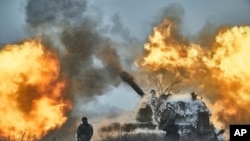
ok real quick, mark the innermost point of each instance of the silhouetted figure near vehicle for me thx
(84, 130)
(171, 130)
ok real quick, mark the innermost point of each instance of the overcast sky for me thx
(138, 17)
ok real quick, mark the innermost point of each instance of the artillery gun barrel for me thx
(129, 79)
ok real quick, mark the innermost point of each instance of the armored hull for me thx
(190, 114)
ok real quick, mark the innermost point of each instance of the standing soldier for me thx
(171, 129)
(84, 130)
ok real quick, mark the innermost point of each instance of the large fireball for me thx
(31, 90)
(220, 72)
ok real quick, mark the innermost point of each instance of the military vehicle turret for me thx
(191, 114)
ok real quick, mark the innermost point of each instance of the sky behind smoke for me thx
(12, 15)
(132, 19)
(136, 15)
(139, 15)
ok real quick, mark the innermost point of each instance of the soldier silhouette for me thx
(84, 130)
(171, 129)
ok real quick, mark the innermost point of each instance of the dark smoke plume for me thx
(89, 60)
(81, 43)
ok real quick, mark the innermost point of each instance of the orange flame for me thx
(220, 72)
(31, 88)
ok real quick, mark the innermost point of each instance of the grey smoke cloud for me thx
(46, 12)
(68, 27)
(81, 41)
